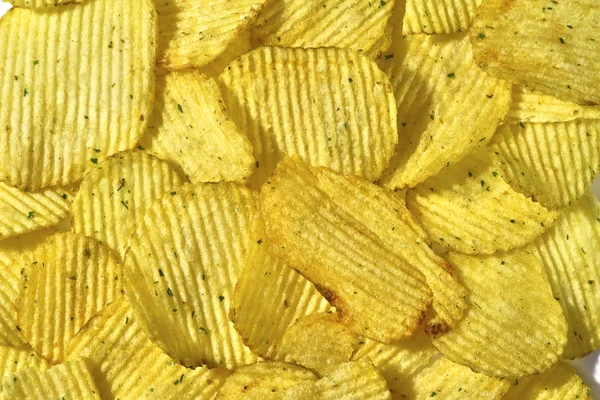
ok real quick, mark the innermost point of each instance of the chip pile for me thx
(298, 199)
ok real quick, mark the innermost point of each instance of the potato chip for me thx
(429, 75)
(191, 127)
(469, 208)
(546, 46)
(514, 326)
(70, 279)
(192, 33)
(70, 380)
(241, 45)
(376, 291)
(554, 163)
(115, 347)
(357, 25)
(113, 195)
(568, 253)
(559, 383)
(13, 359)
(183, 262)
(42, 4)
(348, 109)
(435, 16)
(74, 92)
(263, 380)
(269, 296)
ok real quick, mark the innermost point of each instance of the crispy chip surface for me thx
(435, 129)
(241, 45)
(112, 196)
(514, 326)
(192, 33)
(191, 127)
(438, 16)
(13, 359)
(469, 208)
(184, 259)
(554, 163)
(11, 265)
(70, 278)
(42, 4)
(546, 46)
(74, 91)
(348, 112)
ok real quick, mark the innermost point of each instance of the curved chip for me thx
(191, 127)
(113, 195)
(469, 208)
(184, 258)
(435, 16)
(356, 25)
(43, 4)
(242, 44)
(195, 32)
(70, 279)
(428, 75)
(377, 292)
(74, 91)
(555, 163)
(127, 365)
(13, 360)
(11, 265)
(545, 46)
(514, 326)
(348, 113)
(269, 296)
(568, 253)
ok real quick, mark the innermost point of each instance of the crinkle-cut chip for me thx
(263, 380)
(191, 127)
(384, 43)
(193, 33)
(514, 326)
(319, 342)
(241, 45)
(74, 92)
(71, 278)
(554, 163)
(348, 112)
(469, 208)
(356, 24)
(561, 382)
(569, 254)
(112, 196)
(376, 291)
(438, 16)
(269, 296)
(545, 46)
(399, 362)
(533, 106)
(127, 365)
(435, 129)
(70, 380)
(13, 359)
(184, 259)
(43, 4)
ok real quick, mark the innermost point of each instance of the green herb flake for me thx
(94, 160)
(169, 292)
(561, 40)
(388, 56)
(451, 75)
(180, 108)
(481, 36)
(221, 298)
(30, 214)
(36, 62)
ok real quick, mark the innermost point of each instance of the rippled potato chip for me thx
(242, 44)
(78, 86)
(13, 359)
(438, 16)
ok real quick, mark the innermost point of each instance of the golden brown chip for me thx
(78, 86)
(43, 4)
(13, 359)
(438, 16)
(331, 107)
(447, 106)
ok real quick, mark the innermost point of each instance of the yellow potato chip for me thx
(269, 296)
(191, 127)
(447, 106)
(263, 380)
(357, 25)
(559, 383)
(13, 359)
(70, 278)
(74, 91)
(113, 195)
(543, 45)
(469, 208)
(568, 253)
(241, 45)
(184, 259)
(192, 33)
(348, 113)
(554, 163)
(70, 380)
(376, 291)
(514, 327)
(435, 16)
(127, 365)
(43, 4)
